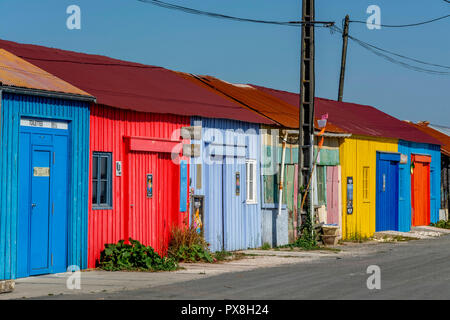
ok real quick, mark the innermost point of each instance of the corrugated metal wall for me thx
(409, 148)
(445, 182)
(230, 223)
(12, 108)
(151, 219)
(358, 155)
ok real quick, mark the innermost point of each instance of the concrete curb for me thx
(430, 229)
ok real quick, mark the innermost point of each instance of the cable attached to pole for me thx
(404, 25)
(227, 17)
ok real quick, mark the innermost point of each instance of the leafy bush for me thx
(134, 256)
(442, 224)
(188, 245)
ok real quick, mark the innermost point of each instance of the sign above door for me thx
(39, 123)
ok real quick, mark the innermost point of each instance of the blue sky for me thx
(261, 54)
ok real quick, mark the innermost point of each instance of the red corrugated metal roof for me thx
(129, 85)
(443, 138)
(359, 119)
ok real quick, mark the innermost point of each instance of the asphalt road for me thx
(414, 270)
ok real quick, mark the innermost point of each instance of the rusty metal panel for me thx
(443, 138)
(17, 72)
(357, 119)
(263, 103)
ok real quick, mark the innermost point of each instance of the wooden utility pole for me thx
(344, 57)
(306, 111)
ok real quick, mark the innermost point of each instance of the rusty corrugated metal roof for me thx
(239, 107)
(443, 138)
(16, 72)
(359, 119)
(258, 101)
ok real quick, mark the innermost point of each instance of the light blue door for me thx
(43, 205)
(234, 216)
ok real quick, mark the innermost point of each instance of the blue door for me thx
(387, 201)
(40, 215)
(43, 192)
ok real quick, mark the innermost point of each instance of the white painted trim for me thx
(247, 180)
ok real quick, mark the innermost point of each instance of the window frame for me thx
(321, 185)
(254, 200)
(109, 180)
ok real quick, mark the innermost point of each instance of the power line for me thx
(401, 56)
(405, 25)
(223, 16)
(385, 55)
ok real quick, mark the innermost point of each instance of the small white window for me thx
(250, 166)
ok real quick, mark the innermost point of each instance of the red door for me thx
(420, 184)
(153, 197)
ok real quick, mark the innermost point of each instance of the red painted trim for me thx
(153, 144)
(421, 158)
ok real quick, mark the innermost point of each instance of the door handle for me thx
(33, 205)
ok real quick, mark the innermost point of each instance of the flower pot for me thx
(330, 240)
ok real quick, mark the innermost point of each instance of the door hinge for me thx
(53, 157)
(53, 208)
(52, 258)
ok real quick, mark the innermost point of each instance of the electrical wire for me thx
(385, 55)
(403, 25)
(399, 55)
(223, 16)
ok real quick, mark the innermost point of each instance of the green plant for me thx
(134, 256)
(266, 246)
(307, 239)
(402, 238)
(188, 245)
(222, 255)
(357, 237)
(442, 224)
